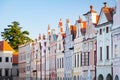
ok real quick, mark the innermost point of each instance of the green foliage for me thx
(15, 36)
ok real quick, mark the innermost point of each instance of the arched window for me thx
(109, 77)
(100, 77)
(116, 77)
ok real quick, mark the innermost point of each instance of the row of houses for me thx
(87, 50)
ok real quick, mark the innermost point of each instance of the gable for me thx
(102, 18)
(59, 37)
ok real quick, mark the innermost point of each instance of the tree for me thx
(15, 36)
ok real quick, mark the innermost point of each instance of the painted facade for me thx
(52, 55)
(104, 54)
(60, 53)
(68, 55)
(24, 61)
(88, 56)
(80, 30)
(47, 53)
(116, 43)
(5, 60)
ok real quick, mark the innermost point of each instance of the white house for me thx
(60, 53)
(5, 60)
(68, 55)
(116, 42)
(104, 54)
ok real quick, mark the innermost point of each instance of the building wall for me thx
(60, 57)
(6, 65)
(116, 42)
(68, 56)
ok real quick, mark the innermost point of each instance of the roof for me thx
(108, 11)
(4, 46)
(73, 30)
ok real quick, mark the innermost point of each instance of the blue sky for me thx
(35, 15)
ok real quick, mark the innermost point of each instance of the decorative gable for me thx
(102, 19)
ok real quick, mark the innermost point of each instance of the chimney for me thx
(48, 29)
(105, 4)
(67, 21)
(91, 7)
(39, 37)
(60, 26)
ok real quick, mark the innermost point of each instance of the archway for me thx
(116, 77)
(100, 77)
(109, 77)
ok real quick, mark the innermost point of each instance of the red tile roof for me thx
(4, 46)
(108, 13)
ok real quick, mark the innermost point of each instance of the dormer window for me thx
(100, 31)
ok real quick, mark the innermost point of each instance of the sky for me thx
(35, 15)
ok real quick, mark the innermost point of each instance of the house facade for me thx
(116, 42)
(52, 56)
(60, 53)
(6, 52)
(88, 55)
(104, 54)
(24, 61)
(68, 55)
(80, 30)
(47, 53)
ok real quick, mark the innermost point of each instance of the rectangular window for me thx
(0, 59)
(100, 53)
(0, 72)
(62, 63)
(95, 58)
(81, 59)
(78, 60)
(100, 31)
(107, 50)
(107, 29)
(7, 59)
(75, 60)
(6, 72)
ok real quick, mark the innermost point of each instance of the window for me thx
(0, 59)
(107, 29)
(81, 59)
(100, 53)
(6, 72)
(0, 72)
(7, 59)
(95, 58)
(107, 50)
(44, 43)
(85, 59)
(75, 60)
(78, 60)
(100, 31)
(59, 46)
(62, 63)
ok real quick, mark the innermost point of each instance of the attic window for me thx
(107, 29)
(100, 31)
